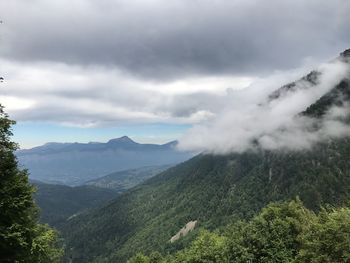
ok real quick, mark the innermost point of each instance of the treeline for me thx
(281, 232)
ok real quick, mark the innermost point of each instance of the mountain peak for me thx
(345, 53)
(345, 56)
(123, 139)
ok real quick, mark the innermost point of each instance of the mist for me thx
(255, 118)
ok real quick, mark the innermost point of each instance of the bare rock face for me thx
(184, 231)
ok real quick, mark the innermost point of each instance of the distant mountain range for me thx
(76, 163)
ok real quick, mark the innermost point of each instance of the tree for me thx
(272, 236)
(22, 239)
(206, 248)
(139, 258)
(328, 239)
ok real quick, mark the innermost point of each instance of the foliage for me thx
(214, 190)
(206, 248)
(124, 180)
(139, 258)
(45, 246)
(21, 238)
(328, 239)
(59, 202)
(272, 236)
(281, 233)
(219, 190)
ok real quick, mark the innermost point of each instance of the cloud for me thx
(99, 96)
(175, 39)
(98, 63)
(273, 123)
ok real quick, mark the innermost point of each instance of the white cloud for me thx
(271, 124)
(13, 103)
(90, 96)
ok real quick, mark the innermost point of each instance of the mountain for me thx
(76, 163)
(123, 180)
(59, 202)
(216, 190)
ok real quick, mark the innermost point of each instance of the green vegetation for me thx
(215, 190)
(59, 202)
(22, 239)
(281, 232)
(123, 180)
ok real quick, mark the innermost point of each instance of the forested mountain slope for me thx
(215, 190)
(59, 202)
(123, 180)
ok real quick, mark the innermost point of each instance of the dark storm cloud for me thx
(172, 39)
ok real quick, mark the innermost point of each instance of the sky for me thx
(92, 70)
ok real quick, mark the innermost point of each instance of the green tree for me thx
(22, 239)
(155, 257)
(328, 239)
(206, 248)
(139, 258)
(272, 236)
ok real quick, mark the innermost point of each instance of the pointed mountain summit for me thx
(345, 53)
(121, 140)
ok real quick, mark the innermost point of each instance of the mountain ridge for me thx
(76, 163)
(214, 190)
(53, 147)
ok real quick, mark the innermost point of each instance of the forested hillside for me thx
(215, 190)
(59, 202)
(123, 180)
(281, 232)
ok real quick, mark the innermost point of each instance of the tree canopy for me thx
(281, 232)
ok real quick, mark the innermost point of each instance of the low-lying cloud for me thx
(273, 123)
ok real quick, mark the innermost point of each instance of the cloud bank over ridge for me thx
(274, 123)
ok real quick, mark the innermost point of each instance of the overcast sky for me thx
(82, 70)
